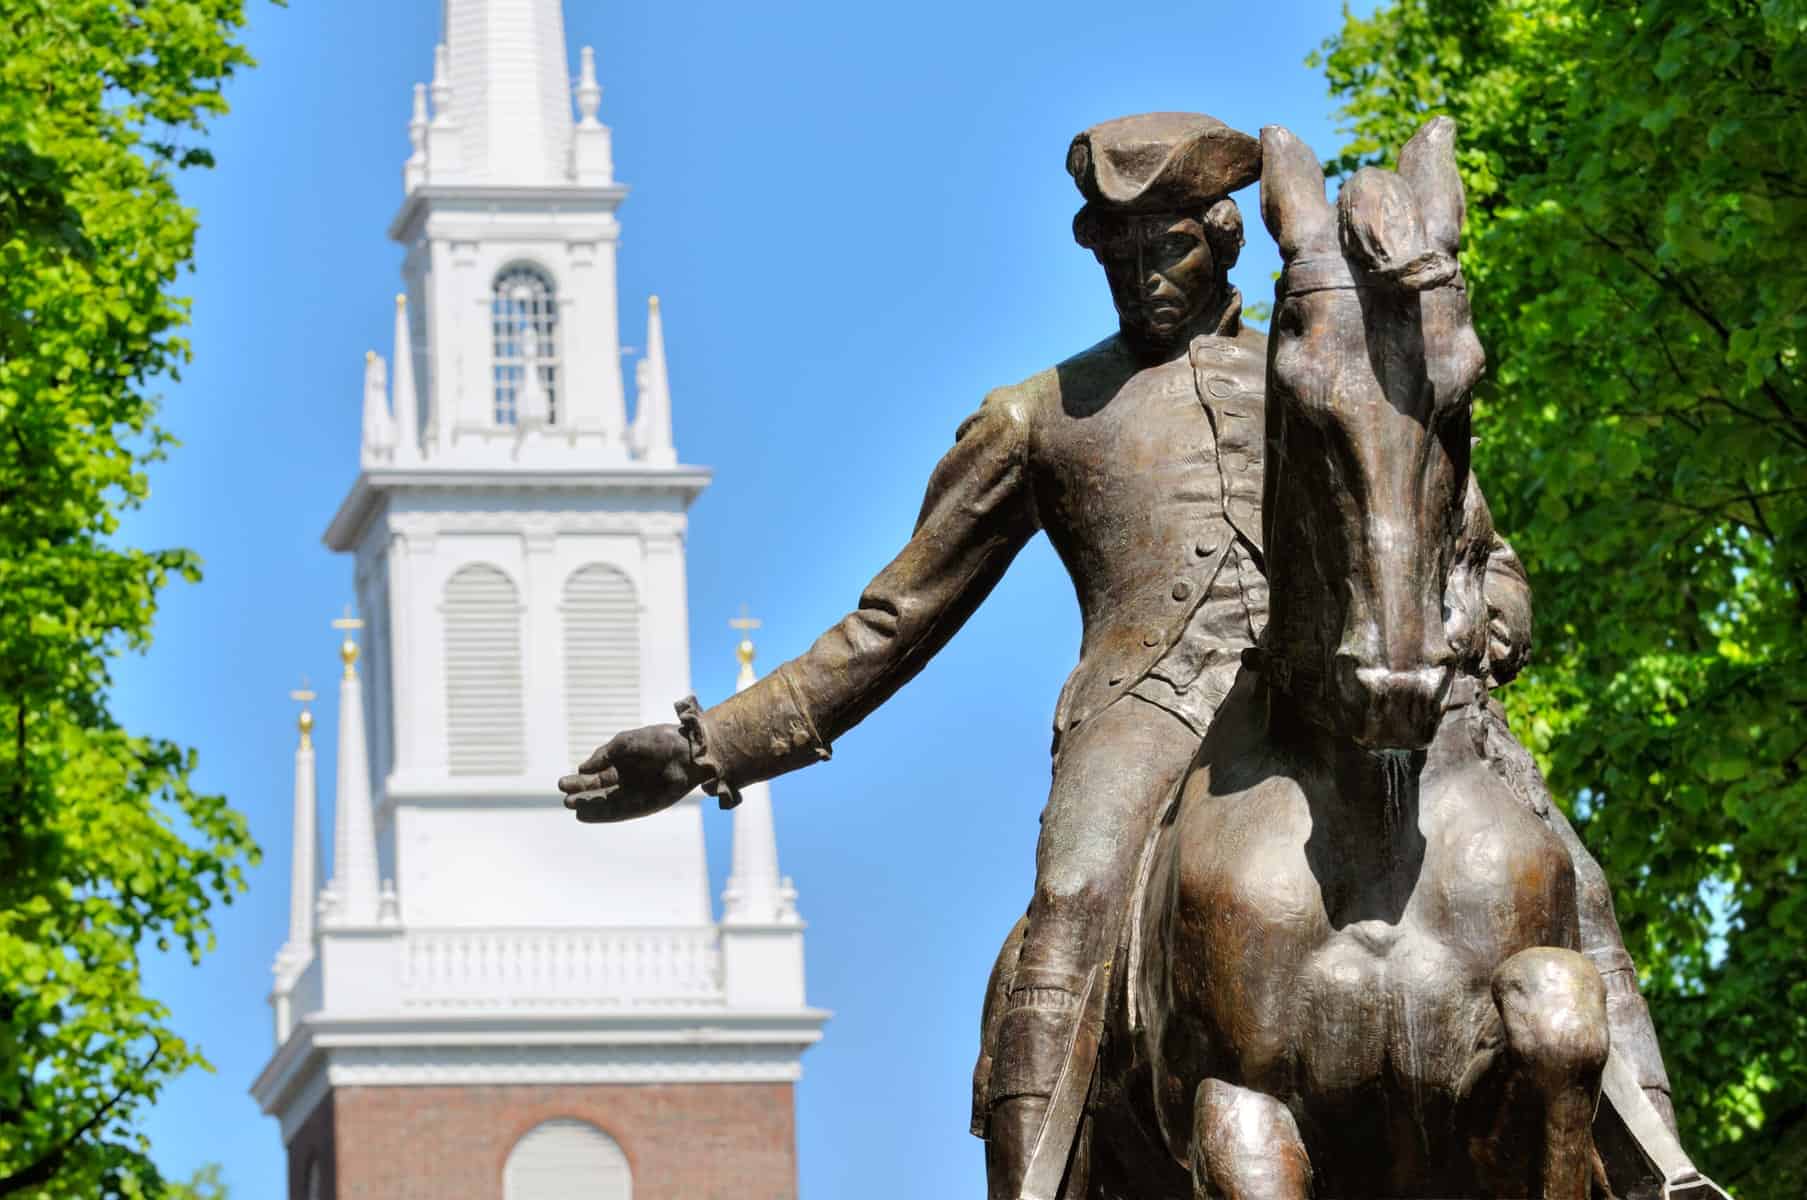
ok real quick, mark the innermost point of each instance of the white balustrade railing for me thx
(561, 968)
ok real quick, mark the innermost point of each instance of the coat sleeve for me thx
(978, 513)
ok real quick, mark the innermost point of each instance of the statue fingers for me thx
(599, 757)
(593, 781)
(613, 804)
(593, 807)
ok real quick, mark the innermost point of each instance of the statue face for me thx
(1162, 276)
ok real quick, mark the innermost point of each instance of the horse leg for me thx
(1245, 1146)
(1553, 1005)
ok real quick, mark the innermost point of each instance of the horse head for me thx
(1372, 355)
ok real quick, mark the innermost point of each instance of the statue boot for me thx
(1034, 1036)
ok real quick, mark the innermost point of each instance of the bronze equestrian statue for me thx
(1142, 459)
(1353, 966)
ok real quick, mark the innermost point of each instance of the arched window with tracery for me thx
(523, 312)
(563, 1159)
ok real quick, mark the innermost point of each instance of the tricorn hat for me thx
(1162, 162)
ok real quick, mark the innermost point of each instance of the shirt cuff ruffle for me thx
(690, 720)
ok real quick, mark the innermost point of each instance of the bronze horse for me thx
(1351, 968)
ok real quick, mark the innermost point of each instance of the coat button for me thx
(1151, 639)
(1181, 589)
(1205, 548)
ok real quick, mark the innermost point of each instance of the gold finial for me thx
(304, 695)
(652, 302)
(746, 625)
(348, 650)
(370, 356)
(401, 299)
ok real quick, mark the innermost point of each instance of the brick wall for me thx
(712, 1141)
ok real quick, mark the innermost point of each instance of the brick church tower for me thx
(486, 1000)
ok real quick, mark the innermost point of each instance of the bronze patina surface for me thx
(1346, 943)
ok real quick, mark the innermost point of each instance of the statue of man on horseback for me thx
(1142, 458)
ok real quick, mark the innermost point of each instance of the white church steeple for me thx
(518, 549)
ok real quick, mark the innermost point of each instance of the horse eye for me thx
(1291, 318)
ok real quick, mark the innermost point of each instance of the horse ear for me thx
(1428, 163)
(1292, 192)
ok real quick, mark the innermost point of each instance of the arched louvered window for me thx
(567, 1160)
(523, 319)
(483, 673)
(602, 657)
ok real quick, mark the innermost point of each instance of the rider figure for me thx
(1141, 458)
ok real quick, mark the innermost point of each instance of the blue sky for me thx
(858, 222)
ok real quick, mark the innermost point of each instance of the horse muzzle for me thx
(1387, 709)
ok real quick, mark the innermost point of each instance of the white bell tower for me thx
(520, 575)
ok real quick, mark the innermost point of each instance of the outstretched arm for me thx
(978, 513)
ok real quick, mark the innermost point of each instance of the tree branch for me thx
(47, 1163)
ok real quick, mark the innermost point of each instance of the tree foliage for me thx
(105, 848)
(1637, 210)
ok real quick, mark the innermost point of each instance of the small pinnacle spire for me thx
(589, 92)
(652, 399)
(304, 865)
(592, 155)
(757, 894)
(442, 87)
(406, 419)
(355, 892)
(414, 171)
(379, 430)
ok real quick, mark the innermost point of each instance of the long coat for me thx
(1147, 481)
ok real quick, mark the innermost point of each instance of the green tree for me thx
(105, 849)
(1637, 210)
(204, 1184)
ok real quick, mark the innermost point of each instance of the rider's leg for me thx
(1110, 778)
(1633, 1035)
(1553, 1006)
(1245, 1146)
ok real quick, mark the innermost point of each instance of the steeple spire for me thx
(407, 400)
(304, 868)
(652, 396)
(510, 90)
(354, 887)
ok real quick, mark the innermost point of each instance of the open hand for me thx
(638, 773)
